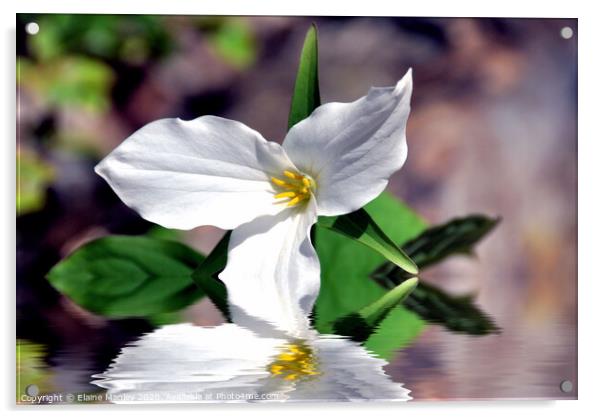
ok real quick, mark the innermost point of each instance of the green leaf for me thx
(124, 276)
(360, 226)
(158, 232)
(205, 275)
(458, 236)
(346, 286)
(215, 262)
(359, 326)
(306, 94)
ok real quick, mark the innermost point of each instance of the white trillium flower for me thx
(228, 363)
(215, 171)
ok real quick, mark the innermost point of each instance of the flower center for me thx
(296, 188)
(294, 362)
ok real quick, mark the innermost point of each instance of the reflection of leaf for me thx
(33, 177)
(360, 226)
(346, 266)
(306, 94)
(70, 81)
(459, 314)
(233, 40)
(162, 319)
(217, 292)
(205, 275)
(458, 236)
(360, 325)
(123, 276)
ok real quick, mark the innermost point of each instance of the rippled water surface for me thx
(188, 363)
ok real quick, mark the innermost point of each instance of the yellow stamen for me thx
(285, 195)
(298, 189)
(292, 175)
(283, 184)
(279, 182)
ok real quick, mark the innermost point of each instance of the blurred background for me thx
(492, 130)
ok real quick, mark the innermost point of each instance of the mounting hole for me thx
(566, 386)
(32, 390)
(32, 28)
(566, 32)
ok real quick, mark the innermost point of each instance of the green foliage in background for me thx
(75, 81)
(231, 38)
(33, 177)
(133, 39)
(235, 43)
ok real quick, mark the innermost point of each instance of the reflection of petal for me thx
(348, 372)
(184, 363)
(182, 360)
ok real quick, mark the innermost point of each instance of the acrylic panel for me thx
(407, 231)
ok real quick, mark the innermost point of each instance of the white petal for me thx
(208, 171)
(351, 149)
(273, 272)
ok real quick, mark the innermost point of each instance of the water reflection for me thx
(228, 363)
